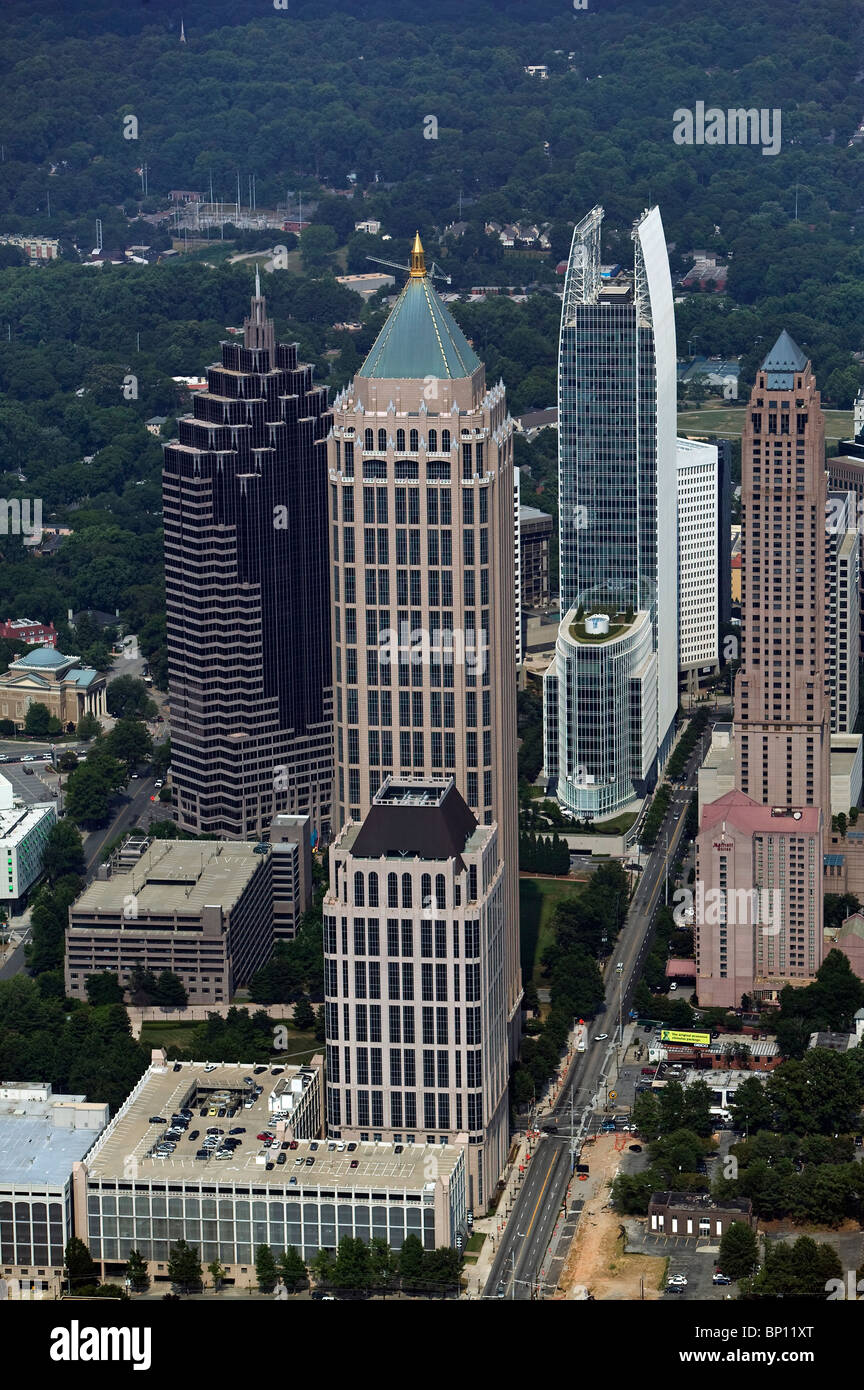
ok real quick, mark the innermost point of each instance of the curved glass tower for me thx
(618, 522)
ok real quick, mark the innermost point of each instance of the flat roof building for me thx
(308, 1197)
(202, 909)
(24, 831)
(42, 1137)
(695, 1214)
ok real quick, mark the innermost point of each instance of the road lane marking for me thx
(555, 1158)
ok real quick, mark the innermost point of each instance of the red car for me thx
(262, 1137)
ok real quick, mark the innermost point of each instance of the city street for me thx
(522, 1249)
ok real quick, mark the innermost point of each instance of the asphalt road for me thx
(134, 804)
(520, 1257)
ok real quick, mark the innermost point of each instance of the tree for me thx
(322, 1265)
(798, 1270)
(80, 1267)
(739, 1251)
(170, 990)
(304, 1015)
(352, 1269)
(291, 1268)
(317, 244)
(142, 987)
(64, 852)
(184, 1266)
(128, 698)
(67, 762)
(216, 1270)
(751, 1108)
(136, 1270)
(266, 1270)
(129, 742)
(88, 727)
(104, 988)
(383, 1263)
(90, 789)
(37, 721)
(411, 1262)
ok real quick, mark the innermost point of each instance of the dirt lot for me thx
(596, 1258)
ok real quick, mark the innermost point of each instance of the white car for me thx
(601, 1037)
(678, 1279)
(210, 1066)
(158, 783)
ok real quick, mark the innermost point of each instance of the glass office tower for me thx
(606, 740)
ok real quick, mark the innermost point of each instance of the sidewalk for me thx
(492, 1227)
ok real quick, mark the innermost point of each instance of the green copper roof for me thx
(420, 338)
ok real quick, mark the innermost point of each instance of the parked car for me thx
(355, 1163)
(238, 1129)
(719, 1278)
(196, 1134)
(282, 1158)
(158, 1120)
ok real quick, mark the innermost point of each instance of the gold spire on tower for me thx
(418, 259)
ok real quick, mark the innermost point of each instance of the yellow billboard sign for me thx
(692, 1039)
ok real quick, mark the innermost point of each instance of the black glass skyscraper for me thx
(247, 592)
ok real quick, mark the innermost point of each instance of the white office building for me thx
(24, 832)
(697, 558)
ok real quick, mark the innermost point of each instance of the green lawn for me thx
(728, 420)
(167, 1034)
(618, 825)
(538, 898)
(301, 1046)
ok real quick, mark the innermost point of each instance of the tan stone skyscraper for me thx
(759, 914)
(783, 755)
(421, 514)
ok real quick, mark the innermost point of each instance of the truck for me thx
(581, 1036)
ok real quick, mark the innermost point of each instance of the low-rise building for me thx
(129, 1197)
(38, 248)
(47, 677)
(202, 909)
(367, 284)
(24, 831)
(42, 1137)
(29, 631)
(694, 1214)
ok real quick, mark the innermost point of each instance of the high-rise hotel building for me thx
(422, 550)
(766, 837)
(248, 593)
(611, 692)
